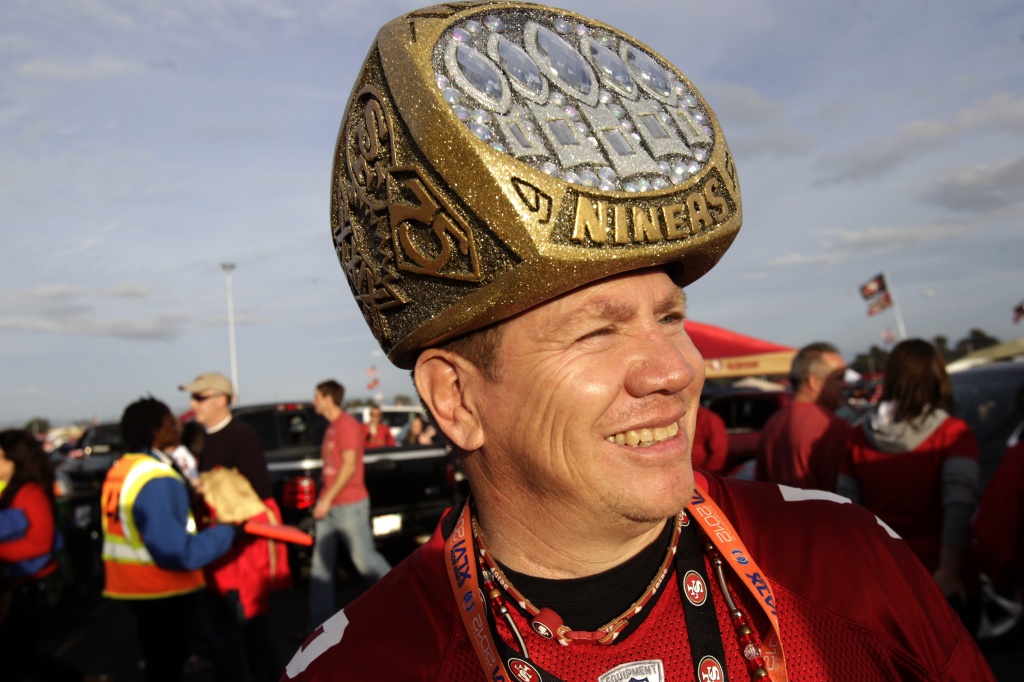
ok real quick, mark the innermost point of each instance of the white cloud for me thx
(841, 245)
(741, 104)
(65, 293)
(97, 67)
(791, 259)
(983, 187)
(154, 328)
(1002, 112)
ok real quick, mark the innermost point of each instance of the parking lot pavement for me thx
(99, 637)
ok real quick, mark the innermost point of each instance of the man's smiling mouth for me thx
(645, 437)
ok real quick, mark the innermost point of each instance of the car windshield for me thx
(987, 400)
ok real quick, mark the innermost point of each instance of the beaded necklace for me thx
(547, 624)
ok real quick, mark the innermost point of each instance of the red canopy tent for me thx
(728, 354)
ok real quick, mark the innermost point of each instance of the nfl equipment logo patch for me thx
(639, 671)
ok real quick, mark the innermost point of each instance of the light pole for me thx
(930, 294)
(228, 268)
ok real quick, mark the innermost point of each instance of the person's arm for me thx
(345, 471)
(959, 499)
(13, 524)
(389, 438)
(38, 537)
(161, 515)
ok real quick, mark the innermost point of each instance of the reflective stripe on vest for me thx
(130, 570)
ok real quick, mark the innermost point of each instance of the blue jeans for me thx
(350, 523)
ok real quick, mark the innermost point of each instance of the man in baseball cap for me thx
(233, 611)
(519, 194)
(210, 383)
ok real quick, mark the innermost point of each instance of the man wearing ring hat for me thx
(519, 195)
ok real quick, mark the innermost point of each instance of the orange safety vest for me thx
(131, 572)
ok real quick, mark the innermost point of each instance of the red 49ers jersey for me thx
(853, 604)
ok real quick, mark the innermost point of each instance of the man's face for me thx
(318, 402)
(210, 408)
(833, 382)
(376, 415)
(169, 433)
(593, 407)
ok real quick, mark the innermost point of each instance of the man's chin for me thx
(647, 511)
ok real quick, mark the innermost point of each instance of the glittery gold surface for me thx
(440, 233)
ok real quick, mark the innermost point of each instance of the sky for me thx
(144, 143)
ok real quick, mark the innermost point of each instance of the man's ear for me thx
(815, 384)
(445, 382)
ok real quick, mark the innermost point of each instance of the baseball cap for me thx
(493, 156)
(210, 381)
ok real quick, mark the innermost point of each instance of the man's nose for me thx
(663, 363)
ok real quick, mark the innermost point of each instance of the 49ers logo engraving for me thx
(710, 670)
(407, 224)
(694, 587)
(521, 670)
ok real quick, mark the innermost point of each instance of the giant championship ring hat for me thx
(495, 155)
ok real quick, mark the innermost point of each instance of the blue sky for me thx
(145, 142)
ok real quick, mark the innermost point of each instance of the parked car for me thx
(745, 413)
(397, 417)
(410, 487)
(79, 470)
(986, 398)
(98, 439)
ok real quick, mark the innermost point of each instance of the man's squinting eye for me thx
(603, 331)
(672, 318)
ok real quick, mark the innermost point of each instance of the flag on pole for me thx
(373, 380)
(880, 303)
(888, 337)
(1018, 313)
(873, 287)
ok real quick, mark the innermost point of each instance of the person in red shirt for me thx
(916, 466)
(710, 442)
(378, 434)
(998, 527)
(342, 511)
(802, 444)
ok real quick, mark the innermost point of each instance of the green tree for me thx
(976, 339)
(871, 362)
(37, 425)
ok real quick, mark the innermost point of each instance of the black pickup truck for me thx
(410, 487)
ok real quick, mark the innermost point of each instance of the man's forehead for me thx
(618, 297)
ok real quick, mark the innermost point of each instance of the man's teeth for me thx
(645, 437)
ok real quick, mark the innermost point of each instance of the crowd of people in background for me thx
(174, 548)
(910, 462)
(197, 584)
